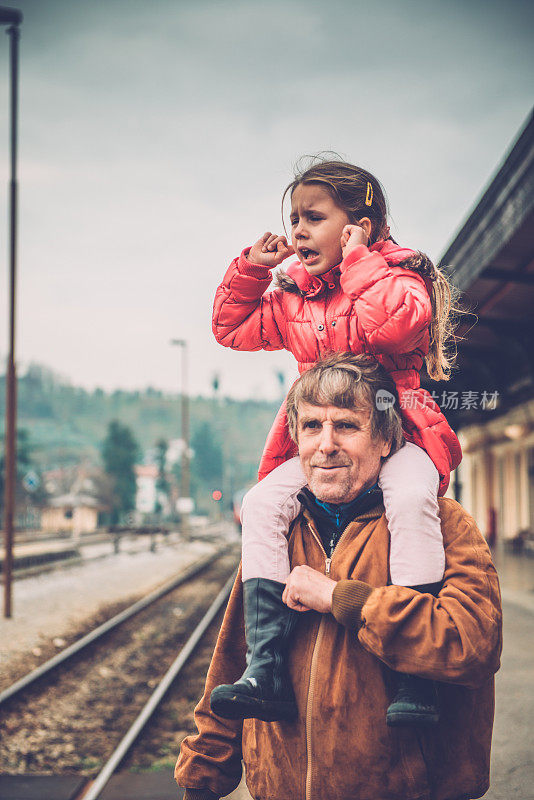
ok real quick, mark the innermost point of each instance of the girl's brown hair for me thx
(360, 194)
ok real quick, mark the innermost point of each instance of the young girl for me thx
(352, 289)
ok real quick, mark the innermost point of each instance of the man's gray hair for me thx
(350, 381)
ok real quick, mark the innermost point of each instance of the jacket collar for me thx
(340, 515)
(313, 285)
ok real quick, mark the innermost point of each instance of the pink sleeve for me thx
(392, 304)
(245, 316)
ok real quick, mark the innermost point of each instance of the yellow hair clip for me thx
(369, 195)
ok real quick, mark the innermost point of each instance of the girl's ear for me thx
(365, 223)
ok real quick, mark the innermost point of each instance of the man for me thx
(360, 628)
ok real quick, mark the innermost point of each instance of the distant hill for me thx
(67, 424)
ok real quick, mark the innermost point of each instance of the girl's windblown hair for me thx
(360, 194)
(445, 315)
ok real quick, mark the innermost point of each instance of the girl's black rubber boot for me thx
(414, 704)
(264, 691)
(416, 701)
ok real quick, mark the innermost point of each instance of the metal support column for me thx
(13, 18)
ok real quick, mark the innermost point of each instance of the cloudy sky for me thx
(156, 139)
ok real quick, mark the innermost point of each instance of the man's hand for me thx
(308, 590)
(351, 237)
(270, 250)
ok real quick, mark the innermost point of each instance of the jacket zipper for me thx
(313, 668)
(309, 708)
(313, 671)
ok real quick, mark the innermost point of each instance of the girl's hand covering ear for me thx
(270, 250)
(351, 237)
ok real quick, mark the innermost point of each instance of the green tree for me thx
(120, 451)
(24, 464)
(207, 464)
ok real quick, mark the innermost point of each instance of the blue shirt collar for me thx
(345, 509)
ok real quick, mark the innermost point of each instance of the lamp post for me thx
(185, 483)
(13, 18)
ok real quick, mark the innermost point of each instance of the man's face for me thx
(339, 457)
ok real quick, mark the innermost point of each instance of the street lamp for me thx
(13, 18)
(185, 484)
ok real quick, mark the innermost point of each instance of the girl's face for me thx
(316, 227)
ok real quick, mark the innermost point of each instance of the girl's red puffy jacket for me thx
(365, 305)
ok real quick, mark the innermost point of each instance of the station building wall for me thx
(496, 475)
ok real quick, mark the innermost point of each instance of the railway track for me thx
(92, 785)
(97, 634)
(135, 730)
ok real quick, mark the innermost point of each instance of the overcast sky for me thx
(156, 139)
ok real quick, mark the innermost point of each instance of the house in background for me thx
(146, 476)
(72, 513)
(77, 497)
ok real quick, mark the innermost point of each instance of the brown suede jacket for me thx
(340, 747)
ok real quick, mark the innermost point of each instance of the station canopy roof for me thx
(492, 263)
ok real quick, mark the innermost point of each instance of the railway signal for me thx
(31, 481)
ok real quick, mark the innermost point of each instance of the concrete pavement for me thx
(512, 767)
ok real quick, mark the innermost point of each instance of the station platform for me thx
(516, 577)
(122, 786)
(33, 554)
(48, 552)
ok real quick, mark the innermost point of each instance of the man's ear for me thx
(386, 449)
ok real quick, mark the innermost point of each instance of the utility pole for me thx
(13, 18)
(185, 481)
